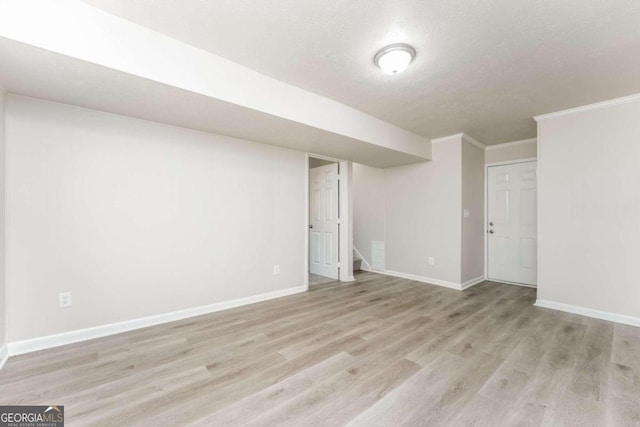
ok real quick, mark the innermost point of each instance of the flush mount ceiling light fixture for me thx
(395, 58)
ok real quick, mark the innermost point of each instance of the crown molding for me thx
(511, 144)
(608, 103)
(471, 140)
(460, 137)
(455, 137)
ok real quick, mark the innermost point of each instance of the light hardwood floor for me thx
(381, 351)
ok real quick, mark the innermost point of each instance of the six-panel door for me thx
(323, 221)
(512, 223)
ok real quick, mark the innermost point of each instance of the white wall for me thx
(473, 201)
(368, 207)
(423, 214)
(3, 308)
(589, 193)
(137, 218)
(417, 210)
(315, 163)
(517, 150)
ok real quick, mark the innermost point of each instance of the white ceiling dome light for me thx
(395, 58)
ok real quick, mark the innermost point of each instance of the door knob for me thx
(310, 226)
(490, 231)
(491, 224)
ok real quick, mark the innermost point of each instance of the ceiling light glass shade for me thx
(395, 58)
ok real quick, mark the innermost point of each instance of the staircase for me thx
(357, 262)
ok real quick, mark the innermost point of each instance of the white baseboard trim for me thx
(429, 280)
(4, 355)
(524, 285)
(589, 312)
(50, 341)
(470, 283)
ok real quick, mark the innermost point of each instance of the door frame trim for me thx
(345, 251)
(486, 211)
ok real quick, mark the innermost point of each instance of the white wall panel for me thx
(423, 215)
(590, 208)
(473, 226)
(137, 218)
(3, 296)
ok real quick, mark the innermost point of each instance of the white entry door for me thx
(323, 221)
(512, 223)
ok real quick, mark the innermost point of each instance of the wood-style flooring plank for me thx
(378, 351)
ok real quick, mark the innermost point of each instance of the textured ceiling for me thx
(483, 67)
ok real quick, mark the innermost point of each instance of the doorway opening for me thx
(329, 240)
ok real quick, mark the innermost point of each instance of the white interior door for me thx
(323, 221)
(512, 223)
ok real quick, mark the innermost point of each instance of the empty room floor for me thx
(315, 280)
(380, 351)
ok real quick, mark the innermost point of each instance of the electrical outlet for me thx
(276, 269)
(432, 261)
(64, 299)
(465, 213)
